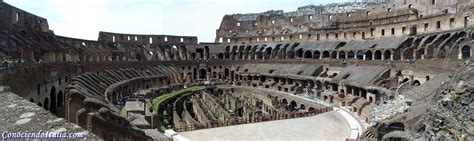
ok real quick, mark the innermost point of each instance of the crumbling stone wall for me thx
(348, 21)
(91, 99)
(451, 114)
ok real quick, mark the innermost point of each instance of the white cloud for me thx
(85, 18)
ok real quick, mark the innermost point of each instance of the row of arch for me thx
(53, 102)
(281, 51)
(361, 55)
(287, 52)
(269, 53)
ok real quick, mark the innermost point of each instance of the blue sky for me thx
(85, 18)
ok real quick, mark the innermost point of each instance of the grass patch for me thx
(157, 101)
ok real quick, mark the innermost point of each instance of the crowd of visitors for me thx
(6, 63)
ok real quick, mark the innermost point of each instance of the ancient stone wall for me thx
(353, 55)
(349, 21)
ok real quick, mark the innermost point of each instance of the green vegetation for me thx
(157, 101)
(161, 99)
(162, 128)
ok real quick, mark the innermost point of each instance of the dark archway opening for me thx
(368, 55)
(60, 99)
(387, 55)
(284, 103)
(416, 83)
(292, 106)
(302, 107)
(268, 53)
(308, 54)
(299, 53)
(206, 49)
(326, 54)
(226, 73)
(200, 53)
(360, 55)
(46, 104)
(202, 74)
(466, 52)
(395, 127)
(378, 55)
(317, 55)
(405, 80)
(333, 54)
(342, 55)
(350, 55)
(220, 56)
(52, 95)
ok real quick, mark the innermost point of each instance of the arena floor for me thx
(329, 126)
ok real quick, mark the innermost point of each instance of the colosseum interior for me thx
(375, 70)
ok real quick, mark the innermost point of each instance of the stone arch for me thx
(405, 80)
(325, 97)
(299, 89)
(420, 53)
(465, 52)
(416, 83)
(39, 104)
(378, 55)
(46, 104)
(316, 54)
(276, 52)
(260, 53)
(247, 52)
(360, 55)
(220, 91)
(206, 50)
(32, 101)
(226, 55)
(193, 56)
(284, 101)
(396, 126)
(327, 85)
(387, 55)
(202, 74)
(368, 55)
(60, 99)
(282, 52)
(220, 56)
(334, 54)
(326, 54)
(268, 53)
(342, 55)
(293, 105)
(318, 85)
(226, 73)
(308, 54)
(52, 96)
(200, 53)
(299, 53)
(309, 83)
(311, 109)
(74, 102)
(302, 107)
(350, 55)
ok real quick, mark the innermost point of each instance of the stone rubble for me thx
(392, 108)
(451, 117)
